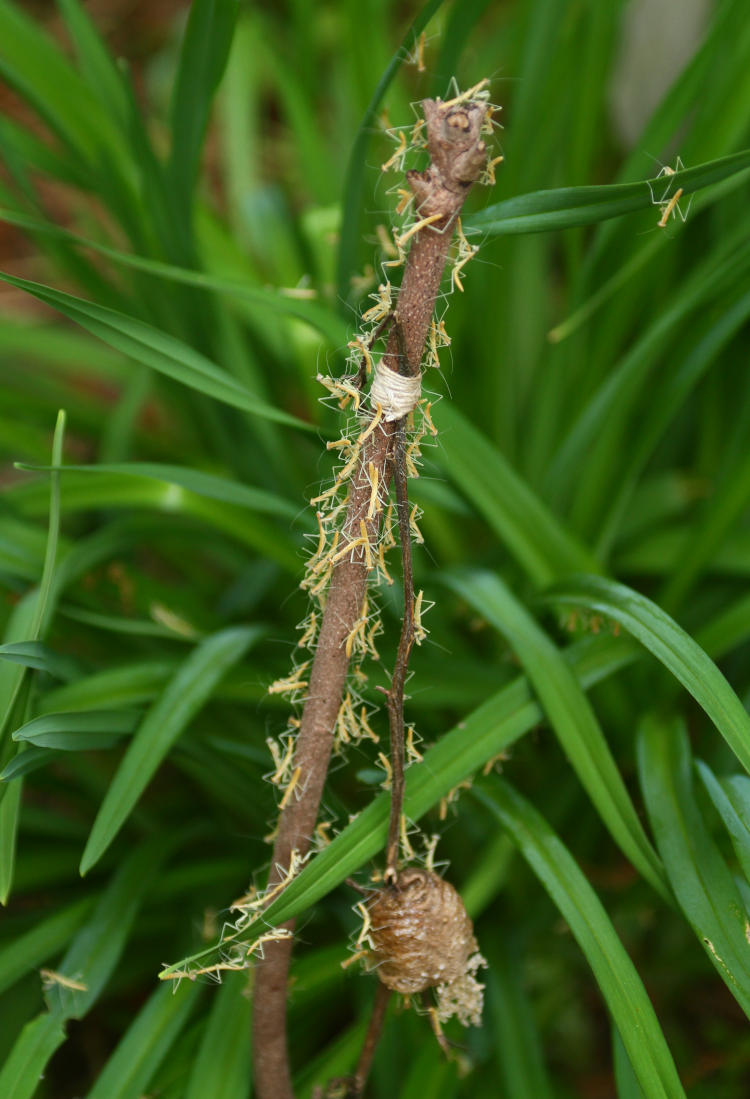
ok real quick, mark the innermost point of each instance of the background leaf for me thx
(579, 906)
(182, 697)
(700, 878)
(670, 644)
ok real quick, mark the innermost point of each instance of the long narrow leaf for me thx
(128, 1072)
(27, 951)
(570, 714)
(82, 492)
(203, 56)
(567, 207)
(97, 64)
(579, 906)
(195, 480)
(517, 1041)
(22, 763)
(701, 880)
(37, 655)
(74, 731)
(87, 965)
(731, 798)
(41, 73)
(155, 349)
(183, 696)
(96, 949)
(539, 542)
(11, 802)
(20, 1075)
(50, 555)
(222, 1065)
(671, 645)
(277, 301)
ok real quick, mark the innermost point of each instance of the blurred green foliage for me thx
(186, 246)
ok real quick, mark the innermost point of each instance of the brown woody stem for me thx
(457, 157)
(374, 1028)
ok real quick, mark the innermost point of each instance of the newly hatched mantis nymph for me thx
(669, 204)
(417, 57)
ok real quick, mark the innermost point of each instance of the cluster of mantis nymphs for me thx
(348, 393)
(370, 397)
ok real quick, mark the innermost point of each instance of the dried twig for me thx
(458, 156)
(395, 695)
(382, 996)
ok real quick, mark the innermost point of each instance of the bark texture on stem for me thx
(458, 155)
(313, 751)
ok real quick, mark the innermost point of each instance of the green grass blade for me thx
(277, 301)
(50, 556)
(709, 343)
(570, 715)
(427, 1075)
(98, 946)
(26, 625)
(727, 505)
(96, 63)
(520, 1063)
(702, 882)
(607, 291)
(27, 951)
(11, 671)
(567, 207)
(23, 763)
(203, 56)
(32, 63)
(731, 798)
(586, 454)
(37, 655)
(139, 627)
(9, 810)
(147, 1041)
(82, 492)
(155, 349)
(76, 731)
(183, 696)
(20, 1075)
(725, 34)
(24, 155)
(669, 643)
(615, 974)
(626, 1080)
(92, 956)
(314, 162)
(195, 480)
(727, 630)
(488, 877)
(11, 801)
(128, 685)
(11, 681)
(222, 1065)
(538, 541)
(240, 123)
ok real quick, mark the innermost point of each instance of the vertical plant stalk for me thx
(458, 157)
(374, 1028)
(395, 695)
